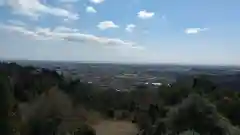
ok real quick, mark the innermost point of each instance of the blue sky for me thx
(128, 31)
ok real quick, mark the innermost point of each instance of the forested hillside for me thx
(42, 102)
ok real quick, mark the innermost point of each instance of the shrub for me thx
(197, 114)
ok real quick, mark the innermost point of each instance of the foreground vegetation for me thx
(42, 102)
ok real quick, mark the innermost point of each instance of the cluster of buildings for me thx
(117, 81)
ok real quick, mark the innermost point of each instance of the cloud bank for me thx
(34, 9)
(67, 34)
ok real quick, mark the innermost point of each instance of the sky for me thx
(121, 31)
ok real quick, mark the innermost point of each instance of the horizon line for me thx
(123, 63)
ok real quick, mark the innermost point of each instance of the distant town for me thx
(124, 77)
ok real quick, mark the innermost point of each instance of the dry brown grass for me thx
(108, 127)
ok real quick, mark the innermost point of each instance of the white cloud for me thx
(195, 30)
(64, 29)
(34, 8)
(96, 1)
(16, 22)
(67, 34)
(145, 15)
(130, 27)
(19, 29)
(107, 25)
(90, 9)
